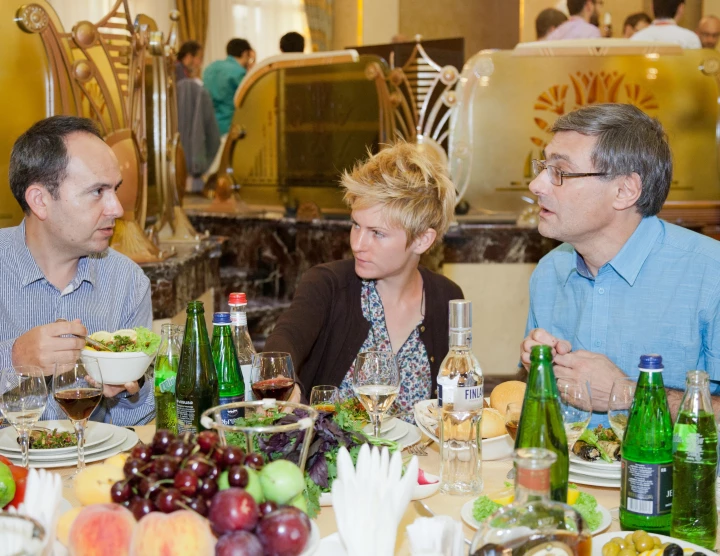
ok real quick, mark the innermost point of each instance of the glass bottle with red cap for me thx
(533, 523)
(243, 344)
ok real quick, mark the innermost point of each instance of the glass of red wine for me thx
(273, 375)
(78, 389)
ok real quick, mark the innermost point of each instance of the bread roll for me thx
(493, 423)
(505, 393)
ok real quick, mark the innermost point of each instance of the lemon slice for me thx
(503, 497)
(572, 495)
(102, 336)
(129, 332)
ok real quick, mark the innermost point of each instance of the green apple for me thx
(300, 502)
(7, 485)
(281, 481)
(253, 487)
(223, 482)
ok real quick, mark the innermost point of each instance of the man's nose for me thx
(113, 207)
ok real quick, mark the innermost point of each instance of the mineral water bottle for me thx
(231, 387)
(541, 423)
(244, 348)
(460, 397)
(646, 484)
(694, 514)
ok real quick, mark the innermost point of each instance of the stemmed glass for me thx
(376, 383)
(23, 396)
(576, 407)
(512, 418)
(621, 398)
(78, 389)
(324, 397)
(273, 375)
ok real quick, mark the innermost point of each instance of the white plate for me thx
(313, 541)
(71, 461)
(119, 436)
(419, 491)
(95, 433)
(412, 436)
(466, 512)
(607, 474)
(593, 481)
(395, 432)
(600, 464)
(602, 540)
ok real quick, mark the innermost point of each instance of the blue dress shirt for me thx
(659, 294)
(221, 79)
(109, 292)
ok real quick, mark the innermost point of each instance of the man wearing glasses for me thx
(624, 283)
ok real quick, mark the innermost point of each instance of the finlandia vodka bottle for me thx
(460, 397)
(244, 348)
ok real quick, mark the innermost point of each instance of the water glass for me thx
(575, 406)
(324, 397)
(376, 383)
(512, 418)
(273, 375)
(622, 394)
(23, 397)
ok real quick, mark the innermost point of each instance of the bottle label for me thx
(168, 385)
(646, 488)
(186, 416)
(445, 394)
(468, 398)
(229, 416)
(686, 439)
(247, 379)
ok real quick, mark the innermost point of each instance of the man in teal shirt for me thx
(222, 78)
(624, 283)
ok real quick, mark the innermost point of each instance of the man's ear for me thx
(628, 191)
(424, 241)
(37, 198)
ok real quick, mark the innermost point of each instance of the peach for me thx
(65, 523)
(92, 485)
(181, 532)
(102, 530)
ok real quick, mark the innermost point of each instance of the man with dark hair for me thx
(634, 23)
(547, 21)
(624, 283)
(709, 31)
(292, 42)
(578, 26)
(189, 60)
(665, 27)
(57, 264)
(223, 77)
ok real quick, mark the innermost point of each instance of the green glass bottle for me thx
(196, 388)
(695, 458)
(230, 386)
(646, 484)
(166, 366)
(541, 423)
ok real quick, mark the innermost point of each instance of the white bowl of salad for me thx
(132, 351)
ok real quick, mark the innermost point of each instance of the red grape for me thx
(141, 507)
(143, 452)
(199, 505)
(238, 543)
(217, 454)
(283, 532)
(233, 456)
(161, 441)
(207, 441)
(186, 482)
(134, 467)
(238, 476)
(167, 500)
(178, 449)
(208, 488)
(198, 465)
(148, 486)
(214, 472)
(165, 467)
(233, 510)
(120, 492)
(255, 461)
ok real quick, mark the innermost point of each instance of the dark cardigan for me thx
(324, 328)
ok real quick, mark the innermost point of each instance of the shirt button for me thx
(432, 359)
(601, 291)
(422, 328)
(597, 343)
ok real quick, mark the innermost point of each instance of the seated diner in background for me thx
(402, 202)
(624, 283)
(57, 264)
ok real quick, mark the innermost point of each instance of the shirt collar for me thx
(631, 257)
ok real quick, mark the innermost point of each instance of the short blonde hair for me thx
(413, 188)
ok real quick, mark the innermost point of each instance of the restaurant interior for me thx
(464, 80)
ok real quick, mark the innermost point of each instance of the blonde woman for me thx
(401, 203)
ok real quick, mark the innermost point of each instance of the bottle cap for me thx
(237, 299)
(652, 362)
(460, 314)
(221, 318)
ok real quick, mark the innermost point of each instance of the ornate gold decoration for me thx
(82, 71)
(32, 18)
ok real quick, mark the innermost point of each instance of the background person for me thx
(709, 31)
(189, 61)
(292, 42)
(547, 21)
(579, 25)
(665, 26)
(634, 23)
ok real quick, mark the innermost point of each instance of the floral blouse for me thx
(412, 359)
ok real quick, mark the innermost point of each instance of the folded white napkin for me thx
(436, 536)
(370, 499)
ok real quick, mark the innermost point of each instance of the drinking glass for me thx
(575, 406)
(324, 397)
(376, 383)
(621, 398)
(273, 375)
(78, 389)
(23, 396)
(512, 418)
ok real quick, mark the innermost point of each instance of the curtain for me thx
(261, 22)
(320, 21)
(72, 11)
(194, 20)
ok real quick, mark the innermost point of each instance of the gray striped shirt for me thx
(109, 292)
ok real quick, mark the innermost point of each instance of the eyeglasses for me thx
(556, 175)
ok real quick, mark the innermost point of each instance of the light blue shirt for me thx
(659, 294)
(109, 292)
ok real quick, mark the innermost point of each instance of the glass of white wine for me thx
(376, 382)
(576, 407)
(23, 397)
(622, 394)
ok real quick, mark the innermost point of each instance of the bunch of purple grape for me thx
(180, 472)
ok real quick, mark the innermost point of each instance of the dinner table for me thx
(494, 473)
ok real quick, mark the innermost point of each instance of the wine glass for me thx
(512, 418)
(324, 397)
(376, 383)
(78, 389)
(621, 398)
(273, 375)
(23, 397)
(575, 406)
